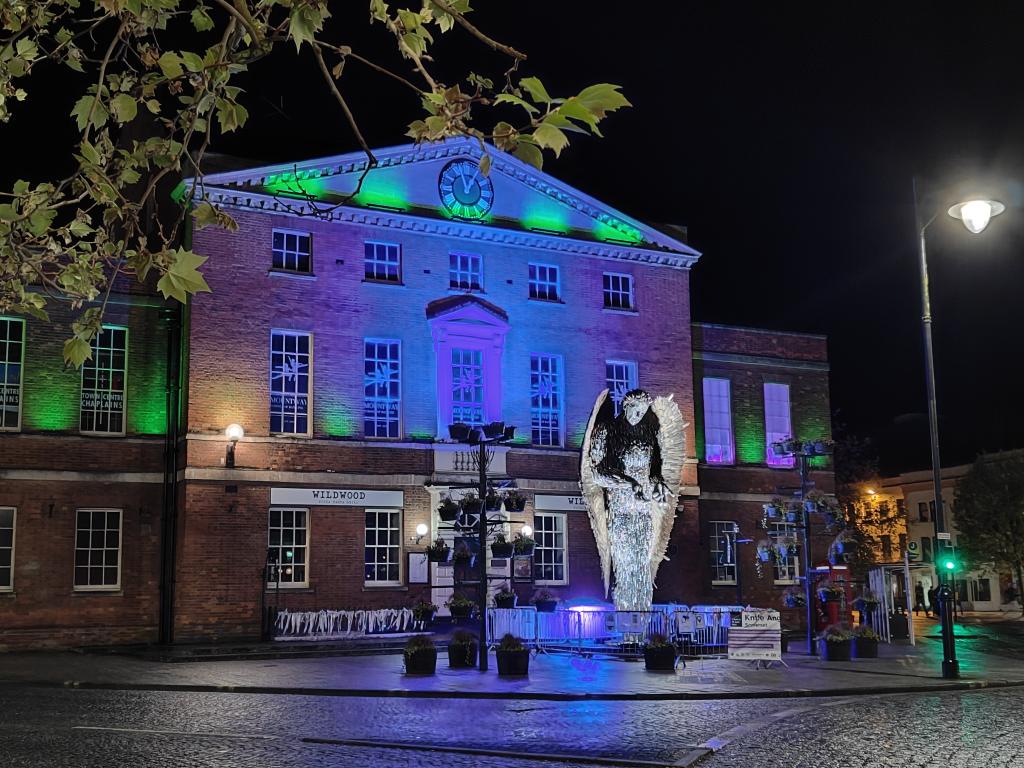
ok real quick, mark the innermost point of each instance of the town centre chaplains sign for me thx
(337, 497)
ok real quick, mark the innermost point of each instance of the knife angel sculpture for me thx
(630, 471)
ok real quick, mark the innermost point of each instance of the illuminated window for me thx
(383, 262)
(383, 550)
(722, 546)
(620, 377)
(718, 443)
(550, 550)
(290, 361)
(98, 549)
(292, 251)
(544, 282)
(103, 383)
(465, 272)
(288, 544)
(618, 291)
(546, 400)
(777, 422)
(382, 387)
(787, 563)
(7, 548)
(12, 352)
(467, 386)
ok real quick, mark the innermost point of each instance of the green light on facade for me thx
(750, 441)
(545, 214)
(617, 230)
(52, 406)
(338, 422)
(303, 184)
(385, 189)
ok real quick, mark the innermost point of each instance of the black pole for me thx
(808, 592)
(482, 534)
(950, 665)
(169, 511)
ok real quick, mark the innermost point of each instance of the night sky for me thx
(785, 138)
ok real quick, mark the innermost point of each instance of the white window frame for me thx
(717, 529)
(377, 399)
(564, 518)
(14, 543)
(309, 393)
(777, 426)
(90, 364)
(4, 384)
(120, 549)
(545, 285)
(609, 291)
(631, 381)
(292, 253)
(790, 568)
(455, 273)
(273, 584)
(539, 411)
(399, 547)
(459, 405)
(375, 262)
(722, 426)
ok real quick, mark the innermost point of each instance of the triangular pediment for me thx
(405, 183)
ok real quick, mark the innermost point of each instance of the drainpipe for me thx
(169, 517)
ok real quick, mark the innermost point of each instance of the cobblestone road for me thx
(55, 727)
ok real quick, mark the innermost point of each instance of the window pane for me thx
(718, 440)
(11, 331)
(546, 400)
(290, 369)
(103, 381)
(286, 536)
(777, 422)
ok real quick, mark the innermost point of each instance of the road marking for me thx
(173, 733)
(541, 756)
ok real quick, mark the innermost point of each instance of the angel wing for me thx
(594, 495)
(672, 441)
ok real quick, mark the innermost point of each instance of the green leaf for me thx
(508, 98)
(201, 20)
(76, 351)
(205, 215)
(574, 110)
(304, 22)
(193, 61)
(602, 98)
(485, 165)
(7, 212)
(82, 110)
(89, 153)
(550, 137)
(170, 65)
(536, 89)
(529, 153)
(182, 278)
(80, 228)
(124, 108)
(153, 106)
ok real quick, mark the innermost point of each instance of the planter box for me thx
(660, 659)
(834, 651)
(461, 655)
(545, 606)
(493, 506)
(505, 602)
(426, 619)
(438, 557)
(502, 550)
(525, 551)
(513, 663)
(448, 514)
(865, 648)
(461, 611)
(422, 662)
(513, 506)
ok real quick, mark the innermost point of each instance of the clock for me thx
(465, 192)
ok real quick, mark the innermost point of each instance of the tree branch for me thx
(344, 105)
(492, 43)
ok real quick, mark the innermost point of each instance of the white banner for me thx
(337, 497)
(757, 638)
(560, 503)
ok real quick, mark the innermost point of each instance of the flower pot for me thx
(764, 555)
(470, 507)
(505, 602)
(513, 663)
(426, 618)
(545, 606)
(438, 557)
(492, 506)
(501, 550)
(421, 662)
(810, 507)
(525, 550)
(515, 505)
(865, 648)
(661, 658)
(792, 517)
(460, 611)
(829, 651)
(461, 655)
(448, 514)
(772, 511)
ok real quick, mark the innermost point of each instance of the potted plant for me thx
(523, 545)
(865, 642)
(513, 657)
(792, 514)
(470, 504)
(846, 544)
(514, 501)
(505, 598)
(764, 550)
(545, 601)
(827, 591)
(420, 656)
(492, 501)
(834, 644)
(448, 510)
(501, 547)
(773, 509)
(439, 551)
(424, 611)
(460, 606)
(462, 650)
(794, 598)
(866, 601)
(659, 654)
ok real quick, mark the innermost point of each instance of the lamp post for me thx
(976, 215)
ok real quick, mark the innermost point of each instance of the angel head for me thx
(635, 405)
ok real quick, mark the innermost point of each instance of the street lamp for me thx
(976, 214)
(234, 433)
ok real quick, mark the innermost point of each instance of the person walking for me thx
(933, 597)
(919, 600)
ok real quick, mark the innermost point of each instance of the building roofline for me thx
(766, 331)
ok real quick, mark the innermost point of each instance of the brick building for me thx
(344, 344)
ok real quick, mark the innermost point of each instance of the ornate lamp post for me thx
(976, 215)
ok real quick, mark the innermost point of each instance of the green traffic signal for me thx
(949, 563)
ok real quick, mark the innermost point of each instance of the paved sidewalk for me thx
(901, 669)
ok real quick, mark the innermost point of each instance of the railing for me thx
(314, 624)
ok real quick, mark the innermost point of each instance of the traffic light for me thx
(948, 563)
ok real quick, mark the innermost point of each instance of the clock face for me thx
(465, 192)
